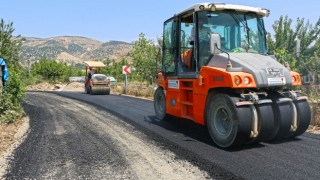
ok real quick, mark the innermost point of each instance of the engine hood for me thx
(267, 71)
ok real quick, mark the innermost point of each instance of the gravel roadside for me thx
(11, 137)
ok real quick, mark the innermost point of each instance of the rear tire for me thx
(304, 116)
(160, 104)
(266, 122)
(227, 124)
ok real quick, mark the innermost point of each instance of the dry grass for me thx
(135, 89)
(7, 133)
(313, 93)
(315, 109)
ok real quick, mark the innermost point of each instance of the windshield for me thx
(240, 32)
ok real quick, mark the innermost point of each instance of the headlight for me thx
(246, 80)
(237, 80)
(293, 79)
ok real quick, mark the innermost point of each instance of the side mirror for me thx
(215, 43)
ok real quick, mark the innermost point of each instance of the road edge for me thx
(19, 137)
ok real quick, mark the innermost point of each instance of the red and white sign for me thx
(126, 70)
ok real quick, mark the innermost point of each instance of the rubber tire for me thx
(159, 103)
(240, 121)
(304, 116)
(283, 116)
(266, 122)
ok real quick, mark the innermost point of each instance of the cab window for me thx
(169, 47)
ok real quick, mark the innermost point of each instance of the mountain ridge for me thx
(72, 49)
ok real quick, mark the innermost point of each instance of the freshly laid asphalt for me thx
(294, 159)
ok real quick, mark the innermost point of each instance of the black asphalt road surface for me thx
(295, 159)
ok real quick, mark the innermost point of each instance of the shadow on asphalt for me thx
(183, 126)
(193, 131)
(288, 140)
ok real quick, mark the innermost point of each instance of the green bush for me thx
(10, 99)
(8, 110)
(53, 71)
(15, 87)
(12, 95)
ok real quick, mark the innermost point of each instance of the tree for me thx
(308, 35)
(285, 39)
(56, 71)
(114, 69)
(285, 58)
(284, 35)
(10, 98)
(144, 56)
(311, 66)
(9, 45)
(50, 69)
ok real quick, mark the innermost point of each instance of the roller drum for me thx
(100, 90)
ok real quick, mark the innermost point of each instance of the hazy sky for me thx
(124, 20)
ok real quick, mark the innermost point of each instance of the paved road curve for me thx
(296, 159)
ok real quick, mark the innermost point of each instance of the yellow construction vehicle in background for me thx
(96, 83)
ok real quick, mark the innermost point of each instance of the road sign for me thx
(126, 70)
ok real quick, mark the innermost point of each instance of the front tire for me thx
(222, 121)
(160, 104)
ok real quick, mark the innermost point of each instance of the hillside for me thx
(72, 49)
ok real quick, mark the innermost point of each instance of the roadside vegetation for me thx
(52, 71)
(12, 94)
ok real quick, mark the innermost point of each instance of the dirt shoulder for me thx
(314, 129)
(11, 136)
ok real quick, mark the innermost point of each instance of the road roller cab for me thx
(216, 72)
(96, 83)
